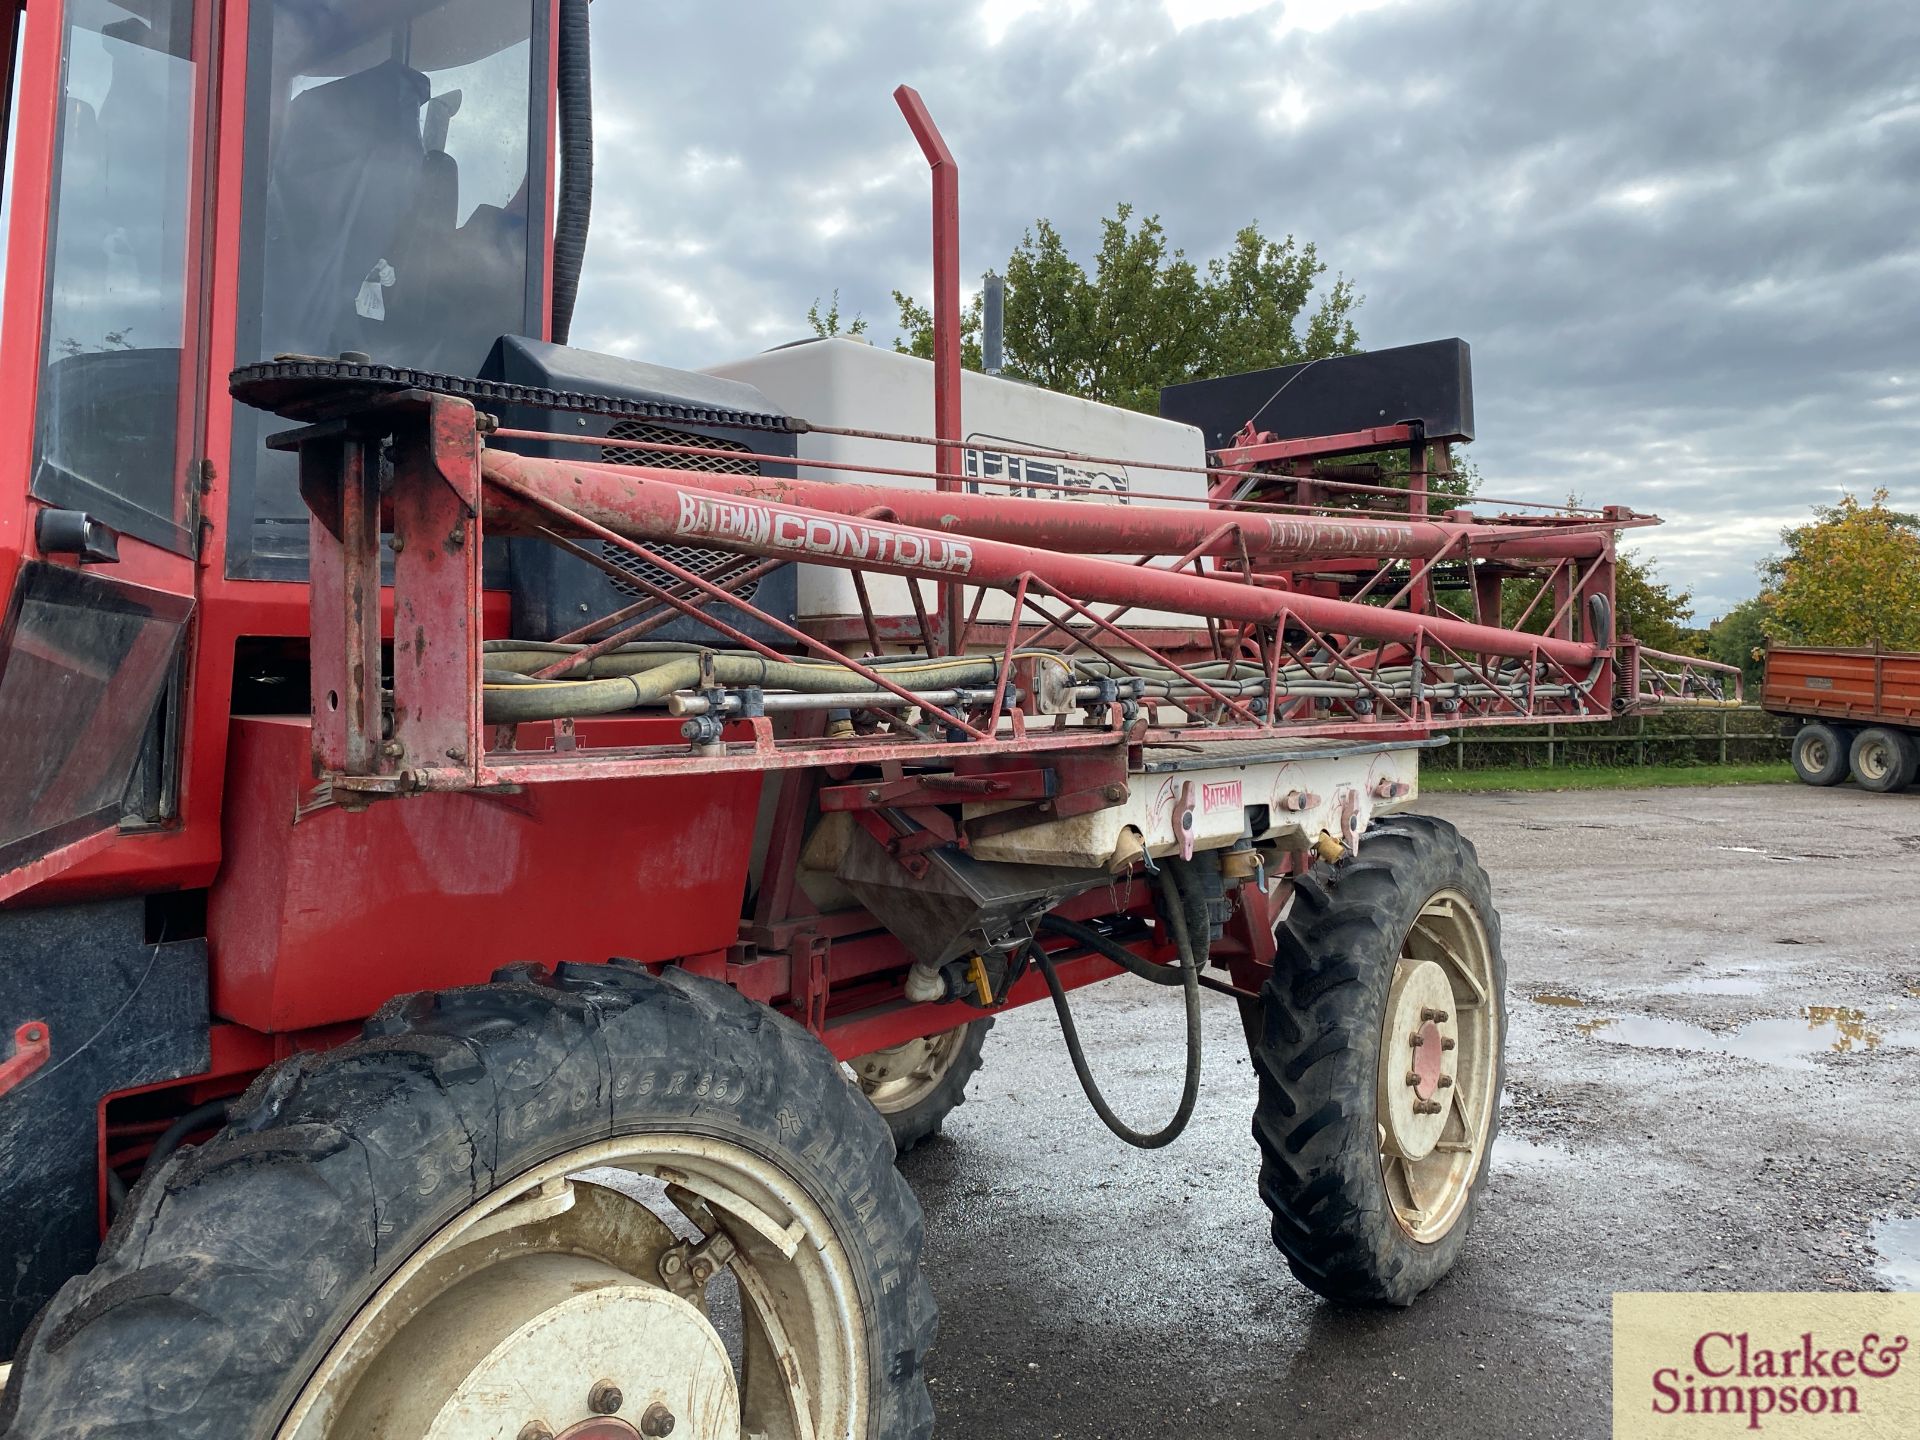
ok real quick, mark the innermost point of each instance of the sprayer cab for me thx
(195, 186)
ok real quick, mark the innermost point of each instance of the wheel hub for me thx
(901, 1076)
(542, 1345)
(1418, 1062)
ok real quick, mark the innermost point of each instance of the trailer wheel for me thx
(915, 1086)
(1819, 754)
(520, 1209)
(1884, 759)
(1379, 1059)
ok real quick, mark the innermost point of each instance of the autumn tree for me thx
(1850, 576)
(1146, 316)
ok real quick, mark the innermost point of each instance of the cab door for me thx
(100, 418)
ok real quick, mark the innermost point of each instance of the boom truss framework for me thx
(1310, 618)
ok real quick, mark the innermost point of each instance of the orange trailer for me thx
(1848, 711)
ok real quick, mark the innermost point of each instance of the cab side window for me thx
(110, 415)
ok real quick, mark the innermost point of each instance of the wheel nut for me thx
(1438, 1017)
(657, 1421)
(1416, 1039)
(1446, 1042)
(1426, 1107)
(1445, 1081)
(535, 1430)
(1413, 1078)
(605, 1398)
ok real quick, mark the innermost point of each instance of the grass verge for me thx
(1601, 777)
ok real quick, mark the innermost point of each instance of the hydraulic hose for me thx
(574, 211)
(511, 698)
(1177, 911)
(647, 675)
(1113, 950)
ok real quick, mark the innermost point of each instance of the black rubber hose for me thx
(214, 1112)
(575, 209)
(1190, 979)
(1113, 950)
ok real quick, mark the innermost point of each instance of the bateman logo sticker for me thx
(761, 525)
(1785, 1365)
(1220, 795)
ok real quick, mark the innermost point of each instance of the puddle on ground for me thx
(1775, 1040)
(1898, 1242)
(1512, 1153)
(1574, 1000)
(1768, 855)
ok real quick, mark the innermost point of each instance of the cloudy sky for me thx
(1682, 237)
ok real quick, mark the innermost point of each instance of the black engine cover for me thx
(554, 592)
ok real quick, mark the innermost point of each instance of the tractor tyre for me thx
(915, 1086)
(1820, 754)
(1884, 759)
(1378, 1052)
(527, 1208)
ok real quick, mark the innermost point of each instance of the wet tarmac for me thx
(1713, 1083)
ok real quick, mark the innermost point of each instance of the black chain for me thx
(297, 386)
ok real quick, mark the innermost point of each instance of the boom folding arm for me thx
(1289, 653)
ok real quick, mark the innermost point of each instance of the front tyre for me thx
(589, 1202)
(1378, 1051)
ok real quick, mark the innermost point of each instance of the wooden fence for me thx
(1743, 734)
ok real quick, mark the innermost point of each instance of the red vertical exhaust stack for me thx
(946, 317)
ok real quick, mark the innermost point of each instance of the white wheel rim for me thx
(1874, 761)
(581, 1306)
(1814, 752)
(1438, 1051)
(901, 1076)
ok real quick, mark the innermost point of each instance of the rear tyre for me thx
(512, 1209)
(915, 1086)
(1379, 1059)
(1884, 759)
(1819, 754)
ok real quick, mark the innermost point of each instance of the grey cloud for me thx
(1681, 238)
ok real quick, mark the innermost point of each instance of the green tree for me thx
(917, 323)
(826, 323)
(1147, 316)
(1738, 636)
(1850, 576)
(1649, 611)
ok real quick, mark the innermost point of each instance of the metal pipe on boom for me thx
(660, 508)
(1101, 529)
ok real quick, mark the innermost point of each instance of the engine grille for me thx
(700, 561)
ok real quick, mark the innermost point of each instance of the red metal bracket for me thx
(32, 1044)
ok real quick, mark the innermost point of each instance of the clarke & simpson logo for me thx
(1782, 1365)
